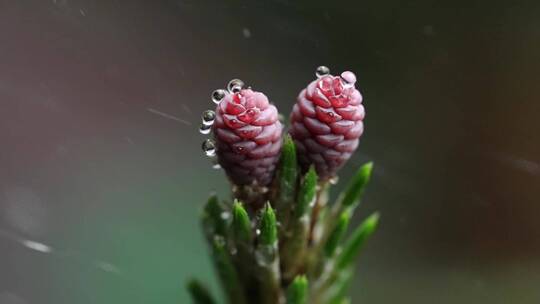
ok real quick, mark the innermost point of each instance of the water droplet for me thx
(347, 79)
(236, 89)
(216, 166)
(334, 180)
(208, 117)
(235, 86)
(322, 71)
(346, 86)
(258, 231)
(205, 129)
(37, 246)
(225, 215)
(246, 32)
(219, 240)
(281, 118)
(209, 147)
(218, 95)
(265, 255)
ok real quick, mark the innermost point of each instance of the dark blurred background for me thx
(102, 176)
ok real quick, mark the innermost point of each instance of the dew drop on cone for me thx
(208, 117)
(235, 85)
(322, 71)
(205, 129)
(218, 95)
(209, 147)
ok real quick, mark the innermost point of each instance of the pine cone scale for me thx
(248, 135)
(327, 122)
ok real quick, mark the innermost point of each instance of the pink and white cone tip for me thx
(247, 133)
(327, 122)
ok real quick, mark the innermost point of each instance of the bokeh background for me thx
(102, 176)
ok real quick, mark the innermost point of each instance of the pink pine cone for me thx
(248, 137)
(326, 123)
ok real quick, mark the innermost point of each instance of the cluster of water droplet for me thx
(338, 87)
(208, 145)
(347, 78)
(208, 117)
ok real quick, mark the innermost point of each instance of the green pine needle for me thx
(267, 258)
(268, 227)
(297, 293)
(355, 242)
(307, 192)
(227, 272)
(352, 195)
(241, 224)
(337, 235)
(213, 217)
(289, 242)
(339, 286)
(294, 243)
(288, 173)
(199, 293)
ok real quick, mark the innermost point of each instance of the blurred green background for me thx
(102, 177)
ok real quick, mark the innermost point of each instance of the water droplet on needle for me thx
(334, 180)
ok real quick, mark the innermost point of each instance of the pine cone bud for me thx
(248, 137)
(326, 122)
